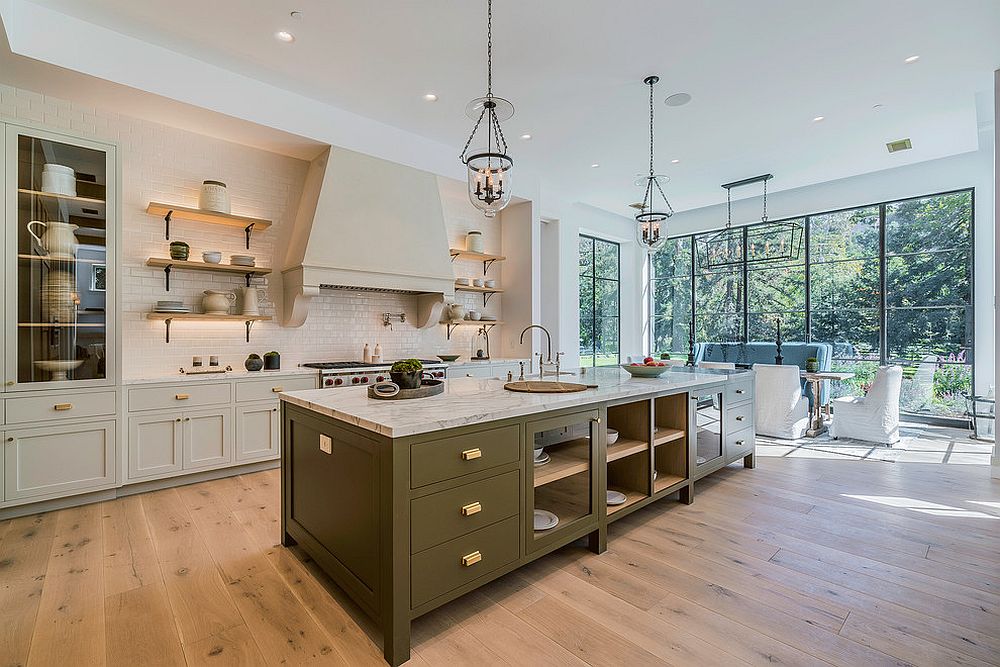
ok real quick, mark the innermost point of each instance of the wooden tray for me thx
(426, 388)
(546, 387)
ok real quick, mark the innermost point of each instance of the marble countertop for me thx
(240, 374)
(475, 400)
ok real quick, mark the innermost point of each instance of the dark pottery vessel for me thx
(254, 363)
(407, 380)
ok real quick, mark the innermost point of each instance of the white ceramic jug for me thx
(456, 311)
(59, 238)
(217, 302)
(251, 300)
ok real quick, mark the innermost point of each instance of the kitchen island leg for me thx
(597, 541)
(686, 494)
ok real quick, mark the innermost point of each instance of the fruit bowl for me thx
(644, 371)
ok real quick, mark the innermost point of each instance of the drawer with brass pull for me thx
(192, 395)
(738, 392)
(27, 409)
(443, 568)
(441, 516)
(739, 417)
(267, 390)
(739, 443)
(449, 458)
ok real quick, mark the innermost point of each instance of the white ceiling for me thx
(758, 72)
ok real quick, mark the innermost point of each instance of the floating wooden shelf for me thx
(485, 258)
(487, 292)
(664, 434)
(625, 447)
(489, 324)
(53, 195)
(168, 265)
(567, 459)
(170, 211)
(47, 258)
(167, 318)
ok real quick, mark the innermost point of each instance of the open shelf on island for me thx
(625, 447)
(167, 318)
(567, 498)
(570, 458)
(631, 499)
(168, 265)
(665, 481)
(665, 434)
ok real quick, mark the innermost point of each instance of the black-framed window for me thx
(884, 283)
(600, 302)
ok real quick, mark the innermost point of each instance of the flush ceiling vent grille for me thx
(901, 145)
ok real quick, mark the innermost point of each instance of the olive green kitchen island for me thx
(409, 504)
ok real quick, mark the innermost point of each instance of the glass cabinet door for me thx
(59, 252)
(563, 474)
(708, 429)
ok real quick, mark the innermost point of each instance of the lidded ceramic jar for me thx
(474, 241)
(214, 196)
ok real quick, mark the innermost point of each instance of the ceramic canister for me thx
(214, 196)
(474, 241)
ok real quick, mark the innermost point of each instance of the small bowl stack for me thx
(171, 306)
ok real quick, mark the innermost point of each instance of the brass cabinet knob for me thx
(62, 406)
(470, 454)
(740, 418)
(740, 443)
(471, 559)
(277, 389)
(182, 397)
(472, 508)
(740, 391)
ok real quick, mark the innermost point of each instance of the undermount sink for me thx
(545, 387)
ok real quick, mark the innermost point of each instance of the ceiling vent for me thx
(901, 145)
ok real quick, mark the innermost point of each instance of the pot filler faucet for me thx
(547, 361)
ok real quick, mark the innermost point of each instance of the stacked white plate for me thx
(545, 520)
(541, 457)
(489, 318)
(616, 498)
(242, 260)
(170, 306)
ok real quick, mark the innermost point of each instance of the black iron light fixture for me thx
(650, 230)
(765, 243)
(489, 168)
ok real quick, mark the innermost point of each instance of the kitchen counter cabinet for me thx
(408, 505)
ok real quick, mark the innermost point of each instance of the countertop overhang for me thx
(473, 400)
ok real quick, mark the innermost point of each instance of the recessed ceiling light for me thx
(284, 36)
(430, 97)
(817, 119)
(526, 137)
(595, 165)
(677, 100)
(674, 161)
(911, 59)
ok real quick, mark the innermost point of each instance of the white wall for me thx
(973, 169)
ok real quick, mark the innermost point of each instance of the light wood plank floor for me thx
(799, 562)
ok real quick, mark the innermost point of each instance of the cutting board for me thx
(539, 387)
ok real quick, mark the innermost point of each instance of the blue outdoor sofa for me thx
(748, 354)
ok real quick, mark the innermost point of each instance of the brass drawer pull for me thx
(277, 390)
(62, 406)
(182, 397)
(740, 391)
(740, 418)
(472, 508)
(471, 559)
(470, 454)
(740, 443)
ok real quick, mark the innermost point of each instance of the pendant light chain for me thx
(489, 48)
(763, 218)
(651, 130)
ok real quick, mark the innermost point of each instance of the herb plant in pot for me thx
(272, 361)
(254, 363)
(812, 365)
(407, 373)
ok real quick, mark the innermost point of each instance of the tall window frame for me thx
(600, 301)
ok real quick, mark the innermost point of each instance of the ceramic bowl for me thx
(478, 282)
(645, 371)
(475, 315)
(212, 257)
(462, 281)
(490, 283)
(612, 436)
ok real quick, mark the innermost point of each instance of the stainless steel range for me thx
(334, 374)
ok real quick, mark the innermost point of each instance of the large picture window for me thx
(600, 307)
(886, 283)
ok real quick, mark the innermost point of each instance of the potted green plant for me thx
(253, 363)
(407, 373)
(272, 361)
(812, 365)
(665, 355)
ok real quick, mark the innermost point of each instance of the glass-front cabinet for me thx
(708, 449)
(59, 250)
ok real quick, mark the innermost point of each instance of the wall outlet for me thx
(326, 444)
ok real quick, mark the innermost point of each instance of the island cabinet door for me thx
(564, 478)
(207, 438)
(257, 428)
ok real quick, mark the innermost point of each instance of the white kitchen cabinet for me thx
(476, 371)
(58, 460)
(257, 431)
(165, 443)
(208, 440)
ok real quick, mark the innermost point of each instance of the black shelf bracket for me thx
(454, 256)
(486, 297)
(166, 224)
(487, 263)
(167, 322)
(249, 276)
(248, 230)
(249, 325)
(166, 277)
(451, 327)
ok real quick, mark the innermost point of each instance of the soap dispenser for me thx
(366, 356)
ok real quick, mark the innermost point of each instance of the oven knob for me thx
(338, 382)
(380, 378)
(328, 382)
(364, 380)
(355, 380)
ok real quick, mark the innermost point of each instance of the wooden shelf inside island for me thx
(567, 459)
(664, 434)
(625, 447)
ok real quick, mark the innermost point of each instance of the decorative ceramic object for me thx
(211, 256)
(474, 241)
(242, 260)
(489, 283)
(59, 368)
(217, 302)
(214, 196)
(475, 315)
(58, 239)
(251, 300)
(812, 365)
(59, 297)
(477, 282)
(457, 312)
(253, 363)
(59, 180)
(179, 250)
(272, 361)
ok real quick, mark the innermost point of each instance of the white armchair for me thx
(781, 409)
(874, 418)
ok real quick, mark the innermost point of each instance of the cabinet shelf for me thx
(665, 480)
(569, 500)
(61, 325)
(664, 434)
(53, 195)
(168, 265)
(632, 497)
(171, 211)
(486, 258)
(49, 258)
(566, 459)
(625, 447)
(167, 318)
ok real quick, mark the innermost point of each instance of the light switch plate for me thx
(326, 444)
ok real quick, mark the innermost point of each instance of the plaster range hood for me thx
(366, 224)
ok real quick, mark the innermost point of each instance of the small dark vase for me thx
(253, 363)
(272, 362)
(407, 380)
(812, 366)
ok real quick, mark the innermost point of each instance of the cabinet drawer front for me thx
(739, 417)
(60, 407)
(739, 443)
(740, 391)
(459, 455)
(263, 390)
(452, 564)
(181, 397)
(446, 515)
(59, 460)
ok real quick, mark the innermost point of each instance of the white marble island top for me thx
(474, 400)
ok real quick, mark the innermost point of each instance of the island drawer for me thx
(739, 443)
(179, 396)
(67, 405)
(265, 390)
(445, 515)
(739, 417)
(448, 458)
(739, 391)
(444, 568)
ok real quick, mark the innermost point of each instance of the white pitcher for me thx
(59, 238)
(217, 302)
(251, 300)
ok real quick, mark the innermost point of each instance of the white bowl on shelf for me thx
(477, 282)
(490, 283)
(59, 368)
(211, 256)
(612, 436)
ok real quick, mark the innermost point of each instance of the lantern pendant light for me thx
(489, 168)
(650, 230)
